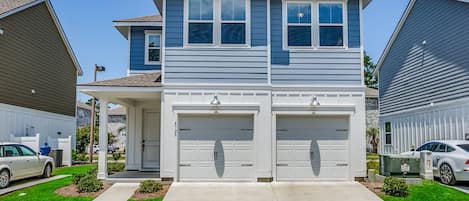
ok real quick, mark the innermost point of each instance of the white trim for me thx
(18, 109)
(163, 47)
(58, 26)
(216, 25)
(149, 33)
(85, 89)
(139, 72)
(362, 48)
(129, 43)
(269, 46)
(142, 24)
(394, 35)
(315, 25)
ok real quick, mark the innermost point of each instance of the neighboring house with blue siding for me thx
(243, 90)
(423, 76)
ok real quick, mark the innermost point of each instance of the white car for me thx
(18, 161)
(450, 159)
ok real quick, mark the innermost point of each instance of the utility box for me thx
(57, 155)
(398, 165)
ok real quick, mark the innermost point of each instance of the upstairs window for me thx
(299, 24)
(200, 21)
(331, 24)
(233, 21)
(152, 47)
(217, 22)
(314, 24)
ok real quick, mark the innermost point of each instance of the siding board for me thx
(43, 64)
(137, 49)
(414, 75)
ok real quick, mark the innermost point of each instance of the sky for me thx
(89, 29)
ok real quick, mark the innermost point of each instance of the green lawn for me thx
(45, 191)
(430, 191)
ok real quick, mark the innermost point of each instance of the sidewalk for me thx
(118, 192)
(29, 184)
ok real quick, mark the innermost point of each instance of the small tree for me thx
(83, 138)
(369, 72)
(373, 133)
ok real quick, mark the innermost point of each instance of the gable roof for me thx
(145, 80)
(83, 105)
(117, 111)
(123, 25)
(10, 7)
(396, 32)
(371, 92)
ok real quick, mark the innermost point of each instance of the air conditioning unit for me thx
(399, 166)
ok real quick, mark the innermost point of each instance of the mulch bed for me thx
(374, 187)
(72, 191)
(143, 196)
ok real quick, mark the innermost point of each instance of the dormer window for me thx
(152, 47)
(217, 23)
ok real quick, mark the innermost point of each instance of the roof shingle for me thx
(7, 5)
(145, 80)
(150, 18)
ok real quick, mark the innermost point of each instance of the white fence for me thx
(64, 144)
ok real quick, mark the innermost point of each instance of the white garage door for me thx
(312, 148)
(216, 148)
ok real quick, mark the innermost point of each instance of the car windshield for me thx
(465, 147)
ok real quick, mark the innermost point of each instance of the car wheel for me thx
(4, 178)
(447, 175)
(47, 171)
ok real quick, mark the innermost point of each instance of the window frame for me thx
(343, 25)
(386, 133)
(149, 33)
(27, 148)
(311, 24)
(217, 27)
(315, 29)
(11, 145)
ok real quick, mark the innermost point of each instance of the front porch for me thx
(141, 96)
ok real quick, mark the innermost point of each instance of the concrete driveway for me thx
(323, 191)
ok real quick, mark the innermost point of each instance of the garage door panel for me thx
(312, 148)
(216, 148)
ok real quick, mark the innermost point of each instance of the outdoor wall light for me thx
(315, 101)
(1, 31)
(33, 91)
(215, 101)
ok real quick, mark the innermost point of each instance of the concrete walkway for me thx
(14, 187)
(118, 192)
(295, 191)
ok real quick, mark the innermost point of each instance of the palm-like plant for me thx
(373, 134)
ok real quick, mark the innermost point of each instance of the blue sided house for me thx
(242, 90)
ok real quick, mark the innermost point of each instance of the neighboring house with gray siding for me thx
(372, 108)
(83, 114)
(424, 76)
(117, 118)
(38, 72)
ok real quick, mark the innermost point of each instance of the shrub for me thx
(93, 171)
(89, 184)
(395, 187)
(150, 186)
(374, 165)
(77, 177)
(79, 156)
(116, 156)
(115, 167)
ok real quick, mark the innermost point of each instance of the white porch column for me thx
(102, 160)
